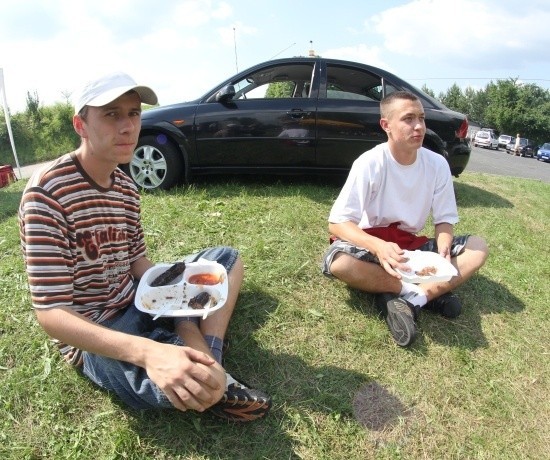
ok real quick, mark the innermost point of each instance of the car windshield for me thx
(546, 146)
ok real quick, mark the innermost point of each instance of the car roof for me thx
(320, 61)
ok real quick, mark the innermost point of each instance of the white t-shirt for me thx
(379, 191)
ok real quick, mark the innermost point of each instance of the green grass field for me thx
(476, 387)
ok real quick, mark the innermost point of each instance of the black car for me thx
(529, 150)
(295, 115)
(526, 148)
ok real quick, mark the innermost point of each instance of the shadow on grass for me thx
(299, 390)
(479, 296)
(320, 189)
(471, 196)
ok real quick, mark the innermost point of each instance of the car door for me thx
(348, 114)
(269, 123)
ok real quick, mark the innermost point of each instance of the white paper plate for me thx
(422, 259)
(175, 297)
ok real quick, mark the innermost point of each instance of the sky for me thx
(183, 48)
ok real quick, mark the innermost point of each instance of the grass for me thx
(475, 387)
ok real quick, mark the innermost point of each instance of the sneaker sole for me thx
(237, 410)
(400, 321)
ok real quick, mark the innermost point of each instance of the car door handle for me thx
(298, 113)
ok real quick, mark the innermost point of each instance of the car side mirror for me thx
(225, 94)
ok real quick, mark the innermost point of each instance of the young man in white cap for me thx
(84, 251)
(389, 194)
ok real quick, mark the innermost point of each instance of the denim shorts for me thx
(457, 247)
(128, 381)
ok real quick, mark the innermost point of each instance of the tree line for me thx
(42, 133)
(507, 106)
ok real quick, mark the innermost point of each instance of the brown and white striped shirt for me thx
(79, 240)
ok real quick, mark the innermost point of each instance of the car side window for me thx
(351, 83)
(284, 81)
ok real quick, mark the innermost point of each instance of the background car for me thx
(543, 154)
(523, 143)
(526, 148)
(296, 115)
(504, 140)
(486, 139)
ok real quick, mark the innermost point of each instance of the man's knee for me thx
(477, 248)
(340, 264)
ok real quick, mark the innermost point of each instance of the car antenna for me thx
(282, 51)
(235, 43)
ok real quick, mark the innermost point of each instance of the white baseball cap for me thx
(107, 88)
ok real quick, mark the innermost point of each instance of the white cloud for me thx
(184, 47)
(476, 33)
(371, 55)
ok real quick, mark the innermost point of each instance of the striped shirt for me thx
(79, 240)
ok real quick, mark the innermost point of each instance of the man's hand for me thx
(391, 256)
(445, 253)
(189, 378)
(444, 239)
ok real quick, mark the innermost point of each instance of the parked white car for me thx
(486, 139)
(504, 140)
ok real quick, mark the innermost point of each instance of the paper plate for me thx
(174, 298)
(419, 260)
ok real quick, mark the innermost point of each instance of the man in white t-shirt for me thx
(387, 198)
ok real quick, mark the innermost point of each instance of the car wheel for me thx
(156, 163)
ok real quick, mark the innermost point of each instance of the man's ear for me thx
(384, 124)
(79, 127)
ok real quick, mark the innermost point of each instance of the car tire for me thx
(156, 163)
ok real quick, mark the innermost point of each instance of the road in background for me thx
(500, 163)
(26, 171)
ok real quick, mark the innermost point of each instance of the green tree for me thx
(455, 99)
(40, 133)
(280, 89)
(515, 107)
(428, 91)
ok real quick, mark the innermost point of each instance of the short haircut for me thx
(390, 98)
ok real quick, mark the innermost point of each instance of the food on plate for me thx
(200, 300)
(166, 290)
(205, 278)
(169, 275)
(426, 271)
